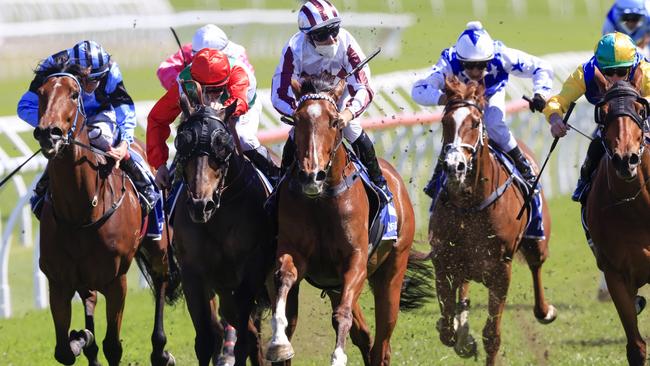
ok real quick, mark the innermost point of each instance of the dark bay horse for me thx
(617, 211)
(475, 240)
(224, 237)
(90, 227)
(323, 233)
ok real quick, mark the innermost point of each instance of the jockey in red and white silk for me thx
(322, 45)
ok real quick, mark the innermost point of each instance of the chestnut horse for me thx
(473, 232)
(617, 210)
(90, 227)
(323, 233)
(224, 237)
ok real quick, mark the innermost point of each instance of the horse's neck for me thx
(73, 181)
(337, 170)
(485, 175)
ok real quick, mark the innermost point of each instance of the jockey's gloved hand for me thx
(537, 103)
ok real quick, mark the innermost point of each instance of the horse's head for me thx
(60, 106)
(621, 117)
(204, 147)
(318, 129)
(462, 128)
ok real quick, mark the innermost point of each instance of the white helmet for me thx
(209, 36)
(316, 14)
(475, 44)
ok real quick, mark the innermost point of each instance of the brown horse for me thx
(224, 237)
(323, 233)
(90, 227)
(473, 232)
(618, 207)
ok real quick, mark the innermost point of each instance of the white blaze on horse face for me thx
(314, 110)
(279, 324)
(455, 158)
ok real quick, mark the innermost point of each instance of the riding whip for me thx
(539, 175)
(18, 168)
(179, 45)
(363, 63)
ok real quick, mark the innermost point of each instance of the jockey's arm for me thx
(281, 94)
(572, 89)
(28, 108)
(170, 68)
(524, 65)
(644, 67)
(122, 103)
(163, 113)
(238, 85)
(361, 94)
(429, 91)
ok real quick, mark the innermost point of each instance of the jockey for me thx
(222, 83)
(322, 45)
(208, 36)
(629, 17)
(477, 57)
(110, 116)
(617, 58)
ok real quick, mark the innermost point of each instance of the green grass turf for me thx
(586, 332)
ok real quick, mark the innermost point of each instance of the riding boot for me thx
(142, 183)
(523, 165)
(365, 150)
(40, 189)
(430, 188)
(263, 161)
(288, 155)
(594, 153)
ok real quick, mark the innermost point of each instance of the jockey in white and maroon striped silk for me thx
(322, 45)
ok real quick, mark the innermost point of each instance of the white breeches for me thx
(495, 122)
(246, 127)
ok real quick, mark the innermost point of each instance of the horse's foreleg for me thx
(623, 297)
(90, 301)
(355, 273)
(60, 297)
(360, 334)
(498, 290)
(446, 287)
(536, 252)
(286, 304)
(465, 345)
(115, 294)
(203, 315)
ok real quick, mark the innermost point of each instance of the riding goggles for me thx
(618, 71)
(469, 65)
(323, 34)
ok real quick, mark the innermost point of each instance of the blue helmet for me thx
(91, 54)
(630, 15)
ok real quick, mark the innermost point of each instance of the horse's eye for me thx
(75, 95)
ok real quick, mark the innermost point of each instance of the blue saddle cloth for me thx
(535, 228)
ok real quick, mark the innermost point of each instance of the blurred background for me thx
(412, 33)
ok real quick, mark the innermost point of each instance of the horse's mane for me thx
(457, 89)
(314, 84)
(46, 69)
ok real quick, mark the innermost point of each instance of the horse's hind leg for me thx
(497, 285)
(60, 308)
(115, 294)
(90, 301)
(359, 333)
(536, 252)
(623, 297)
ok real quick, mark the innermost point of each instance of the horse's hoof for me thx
(64, 355)
(446, 335)
(469, 349)
(551, 314)
(171, 360)
(639, 304)
(226, 360)
(279, 352)
(603, 295)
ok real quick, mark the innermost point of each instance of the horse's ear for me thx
(229, 110)
(295, 87)
(338, 89)
(186, 107)
(451, 85)
(601, 81)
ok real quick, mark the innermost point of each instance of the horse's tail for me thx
(417, 289)
(174, 289)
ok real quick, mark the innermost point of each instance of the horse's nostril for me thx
(303, 176)
(209, 206)
(320, 176)
(445, 166)
(37, 133)
(634, 159)
(56, 132)
(460, 167)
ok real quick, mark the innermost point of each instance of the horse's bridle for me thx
(339, 130)
(454, 104)
(617, 98)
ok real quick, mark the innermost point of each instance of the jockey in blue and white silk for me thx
(476, 56)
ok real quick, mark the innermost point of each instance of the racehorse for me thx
(618, 207)
(224, 237)
(91, 227)
(323, 222)
(473, 230)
